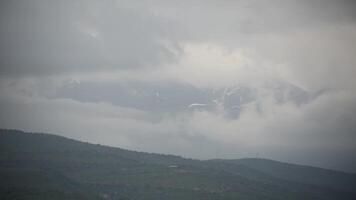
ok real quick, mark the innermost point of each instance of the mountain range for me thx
(173, 97)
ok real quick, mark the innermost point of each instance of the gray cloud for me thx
(41, 37)
(202, 79)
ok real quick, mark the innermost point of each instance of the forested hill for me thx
(43, 166)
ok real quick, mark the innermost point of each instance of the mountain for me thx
(43, 166)
(173, 97)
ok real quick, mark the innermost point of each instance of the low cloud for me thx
(273, 79)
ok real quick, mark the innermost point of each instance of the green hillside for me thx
(43, 166)
(300, 173)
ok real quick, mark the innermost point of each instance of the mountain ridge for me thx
(52, 164)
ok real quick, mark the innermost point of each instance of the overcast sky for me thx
(201, 79)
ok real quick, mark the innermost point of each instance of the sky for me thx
(200, 79)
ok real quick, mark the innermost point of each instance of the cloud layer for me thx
(203, 79)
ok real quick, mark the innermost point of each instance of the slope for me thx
(44, 166)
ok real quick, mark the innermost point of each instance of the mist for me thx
(202, 79)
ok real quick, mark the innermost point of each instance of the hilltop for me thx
(44, 166)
